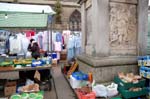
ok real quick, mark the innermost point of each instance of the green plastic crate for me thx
(131, 94)
(6, 63)
(124, 85)
(116, 98)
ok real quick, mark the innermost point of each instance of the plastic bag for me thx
(100, 90)
(112, 90)
(28, 54)
(29, 82)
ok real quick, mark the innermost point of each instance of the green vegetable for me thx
(15, 97)
(32, 95)
(25, 95)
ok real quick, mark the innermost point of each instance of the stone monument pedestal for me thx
(105, 68)
(114, 33)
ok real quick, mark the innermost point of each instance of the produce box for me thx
(37, 95)
(125, 85)
(91, 95)
(74, 82)
(145, 72)
(6, 63)
(131, 94)
(17, 62)
(54, 62)
(10, 88)
(63, 56)
(22, 62)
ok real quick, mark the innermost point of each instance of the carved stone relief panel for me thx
(123, 27)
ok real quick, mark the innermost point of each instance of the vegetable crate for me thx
(125, 85)
(91, 95)
(131, 94)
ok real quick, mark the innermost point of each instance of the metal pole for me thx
(48, 37)
(51, 33)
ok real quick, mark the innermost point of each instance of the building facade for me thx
(70, 15)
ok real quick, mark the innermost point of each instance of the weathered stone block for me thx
(104, 69)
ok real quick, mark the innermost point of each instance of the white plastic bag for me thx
(112, 90)
(29, 82)
(28, 54)
(100, 90)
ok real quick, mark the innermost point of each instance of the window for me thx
(75, 21)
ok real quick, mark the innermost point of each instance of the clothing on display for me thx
(29, 33)
(15, 40)
(58, 37)
(57, 46)
(74, 45)
(66, 34)
(3, 38)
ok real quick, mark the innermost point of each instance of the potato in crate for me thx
(129, 80)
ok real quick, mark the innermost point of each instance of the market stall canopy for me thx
(23, 15)
(26, 8)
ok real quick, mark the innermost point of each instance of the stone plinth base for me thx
(105, 68)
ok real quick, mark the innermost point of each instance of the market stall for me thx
(18, 17)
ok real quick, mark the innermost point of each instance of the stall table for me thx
(12, 69)
(9, 69)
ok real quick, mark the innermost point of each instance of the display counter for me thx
(9, 69)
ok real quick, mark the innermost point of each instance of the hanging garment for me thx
(77, 51)
(29, 34)
(66, 35)
(58, 55)
(40, 41)
(63, 42)
(71, 42)
(46, 40)
(14, 40)
(53, 37)
(70, 53)
(71, 47)
(77, 40)
(7, 45)
(58, 37)
(57, 46)
(3, 37)
(25, 42)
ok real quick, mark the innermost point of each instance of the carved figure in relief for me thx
(122, 32)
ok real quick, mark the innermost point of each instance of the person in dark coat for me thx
(29, 46)
(34, 49)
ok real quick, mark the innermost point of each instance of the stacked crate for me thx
(144, 64)
(123, 88)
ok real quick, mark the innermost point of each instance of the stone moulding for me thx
(125, 1)
(97, 62)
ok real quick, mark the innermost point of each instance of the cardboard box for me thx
(63, 56)
(10, 88)
(54, 61)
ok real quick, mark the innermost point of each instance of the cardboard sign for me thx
(37, 75)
